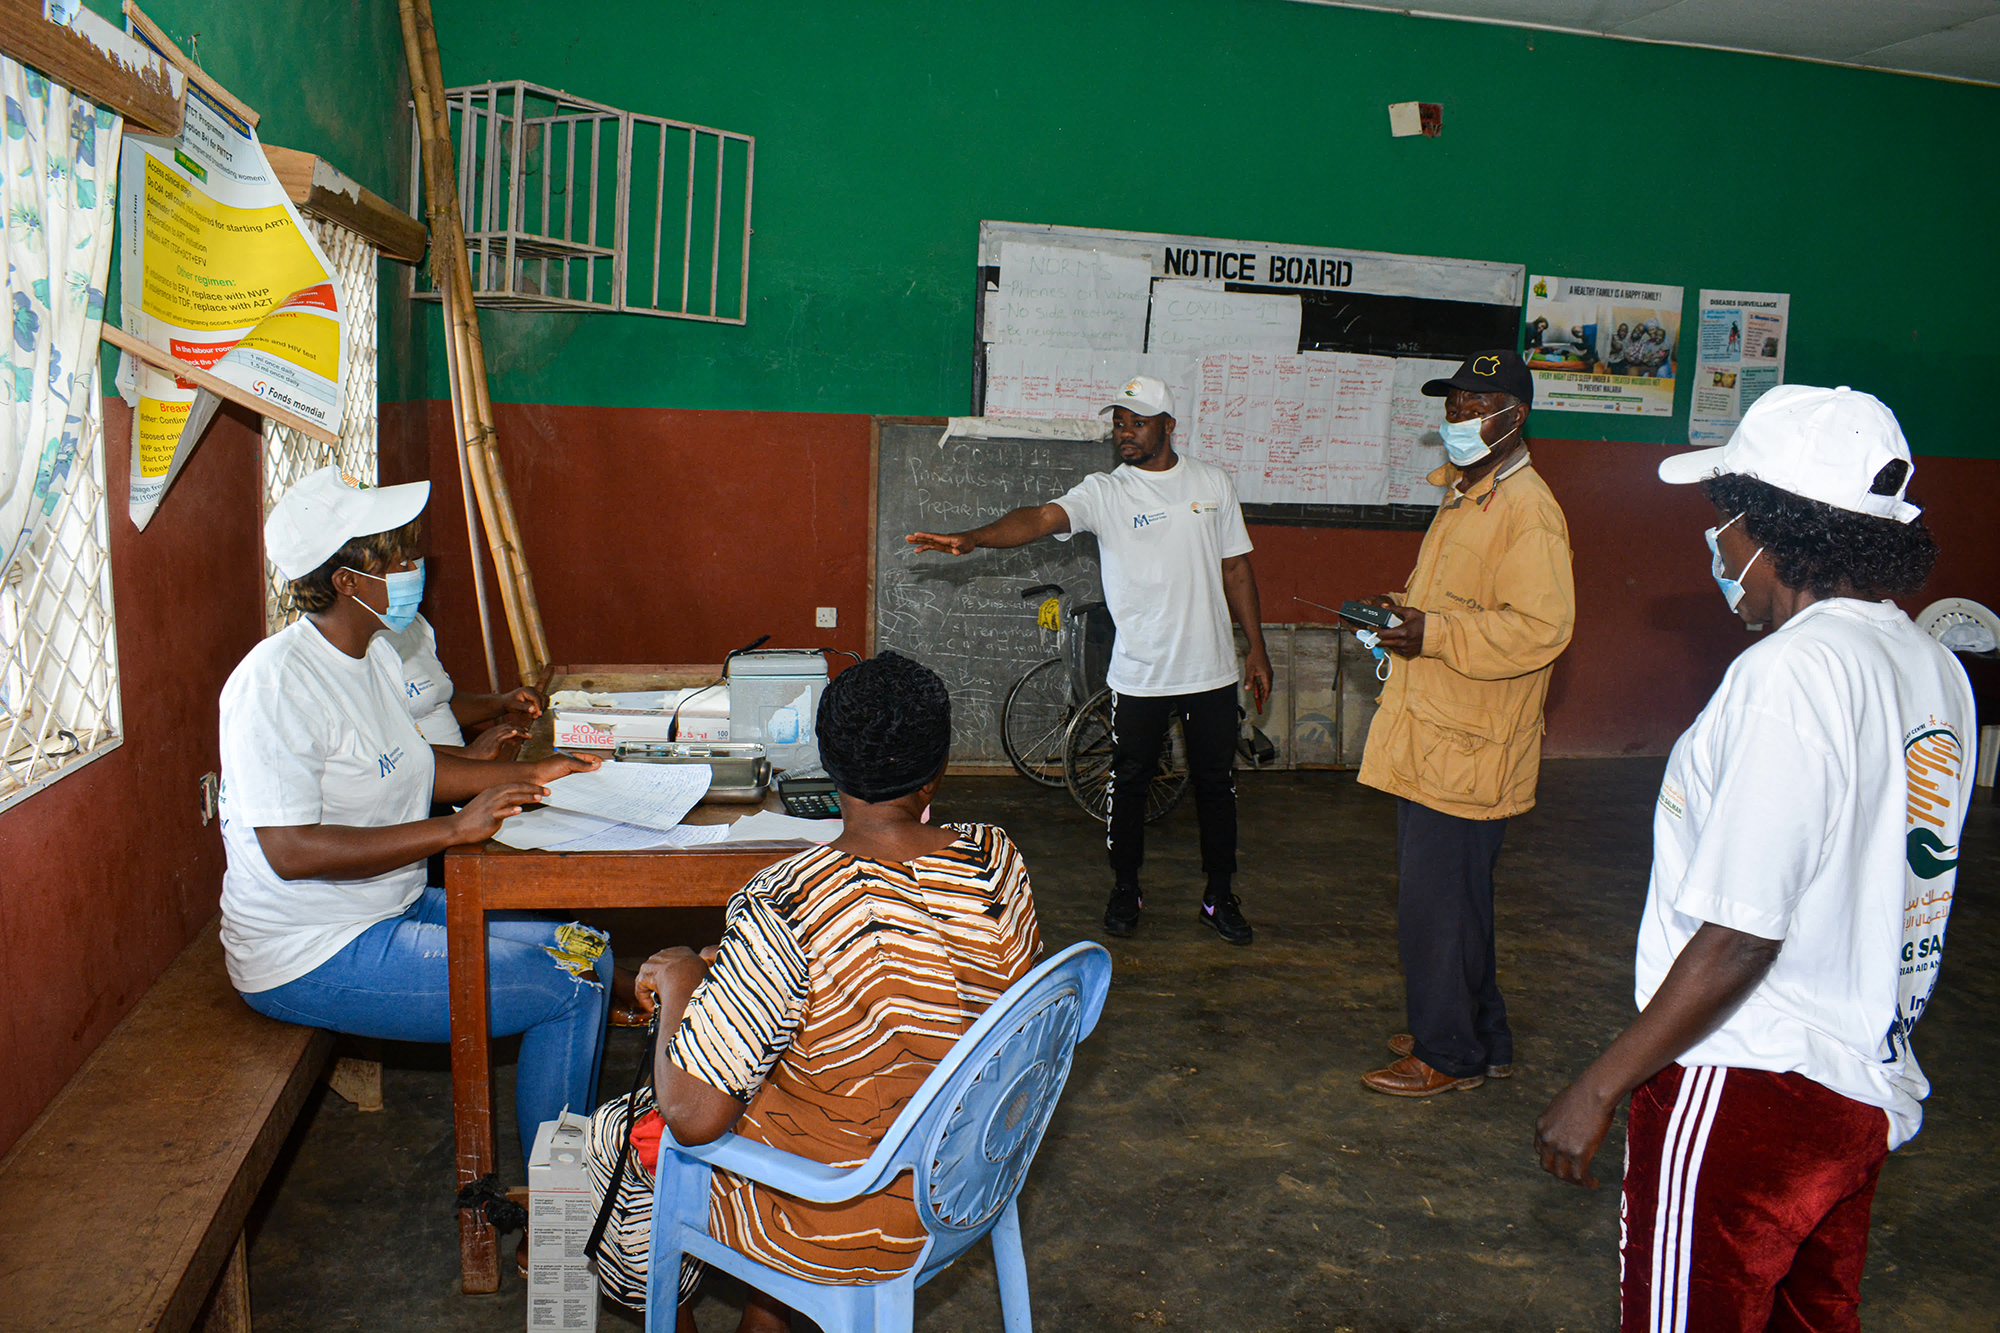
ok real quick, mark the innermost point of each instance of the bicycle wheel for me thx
(1087, 763)
(1034, 718)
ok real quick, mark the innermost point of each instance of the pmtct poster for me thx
(1597, 346)
(221, 272)
(1739, 356)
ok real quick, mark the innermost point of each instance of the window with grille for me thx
(59, 704)
(288, 455)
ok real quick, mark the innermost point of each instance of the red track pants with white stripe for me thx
(1745, 1203)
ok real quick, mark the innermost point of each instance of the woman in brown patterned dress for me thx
(844, 975)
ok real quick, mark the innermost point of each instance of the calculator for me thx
(809, 798)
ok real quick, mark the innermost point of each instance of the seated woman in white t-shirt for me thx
(440, 711)
(326, 799)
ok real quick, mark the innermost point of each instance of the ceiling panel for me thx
(1971, 51)
(1823, 29)
(1954, 38)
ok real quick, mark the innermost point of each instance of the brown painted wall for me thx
(641, 528)
(109, 872)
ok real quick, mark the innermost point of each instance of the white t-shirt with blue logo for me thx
(427, 688)
(1162, 538)
(312, 736)
(1818, 800)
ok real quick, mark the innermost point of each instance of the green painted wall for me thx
(886, 130)
(329, 78)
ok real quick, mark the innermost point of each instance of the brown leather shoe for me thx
(1404, 1044)
(628, 1015)
(1411, 1077)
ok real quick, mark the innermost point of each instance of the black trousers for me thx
(1138, 729)
(1444, 920)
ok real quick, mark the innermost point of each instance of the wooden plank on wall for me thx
(316, 186)
(96, 61)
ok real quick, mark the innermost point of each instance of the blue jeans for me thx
(390, 982)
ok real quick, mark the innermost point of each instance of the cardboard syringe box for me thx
(603, 728)
(562, 1285)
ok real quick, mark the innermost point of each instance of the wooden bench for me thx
(123, 1205)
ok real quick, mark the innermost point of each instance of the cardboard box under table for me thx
(490, 877)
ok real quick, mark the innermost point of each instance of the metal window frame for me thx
(512, 260)
(59, 635)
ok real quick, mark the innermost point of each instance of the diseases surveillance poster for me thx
(1599, 346)
(1739, 356)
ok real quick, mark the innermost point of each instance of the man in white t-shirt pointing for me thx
(1805, 852)
(1176, 566)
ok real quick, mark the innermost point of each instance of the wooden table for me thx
(491, 877)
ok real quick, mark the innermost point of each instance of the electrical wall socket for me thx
(826, 617)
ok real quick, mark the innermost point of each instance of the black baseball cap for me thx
(1499, 371)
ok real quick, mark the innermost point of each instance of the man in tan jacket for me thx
(1458, 736)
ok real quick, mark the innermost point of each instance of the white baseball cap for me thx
(1824, 444)
(324, 509)
(1145, 395)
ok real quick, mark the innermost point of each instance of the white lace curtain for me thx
(59, 157)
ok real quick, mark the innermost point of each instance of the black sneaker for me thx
(1225, 914)
(1121, 914)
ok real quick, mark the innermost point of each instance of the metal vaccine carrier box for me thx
(774, 700)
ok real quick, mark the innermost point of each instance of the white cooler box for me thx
(774, 701)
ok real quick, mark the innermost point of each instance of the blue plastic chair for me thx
(968, 1134)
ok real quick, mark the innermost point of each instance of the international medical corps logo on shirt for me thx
(1147, 520)
(387, 762)
(1932, 761)
(413, 688)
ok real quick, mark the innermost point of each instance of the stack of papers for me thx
(639, 807)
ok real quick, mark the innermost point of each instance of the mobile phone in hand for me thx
(1374, 617)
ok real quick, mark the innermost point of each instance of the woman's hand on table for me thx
(491, 740)
(483, 814)
(562, 763)
(676, 971)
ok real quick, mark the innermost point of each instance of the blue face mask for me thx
(1732, 589)
(1464, 442)
(406, 589)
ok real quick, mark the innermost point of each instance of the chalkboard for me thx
(963, 616)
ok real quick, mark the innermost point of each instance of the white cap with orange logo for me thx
(1145, 395)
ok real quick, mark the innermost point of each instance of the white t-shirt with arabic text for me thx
(1818, 800)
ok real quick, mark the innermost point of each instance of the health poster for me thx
(219, 271)
(1739, 355)
(1597, 346)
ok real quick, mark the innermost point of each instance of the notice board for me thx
(963, 616)
(1295, 368)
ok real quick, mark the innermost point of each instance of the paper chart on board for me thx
(1078, 300)
(1052, 383)
(1415, 447)
(1192, 322)
(1296, 428)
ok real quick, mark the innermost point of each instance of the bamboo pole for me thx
(465, 357)
(472, 533)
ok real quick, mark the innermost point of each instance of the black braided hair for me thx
(884, 728)
(1813, 547)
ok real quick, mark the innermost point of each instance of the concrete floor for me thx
(1215, 1164)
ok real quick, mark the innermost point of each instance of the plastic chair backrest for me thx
(1941, 615)
(974, 1127)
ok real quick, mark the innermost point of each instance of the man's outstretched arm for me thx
(1017, 528)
